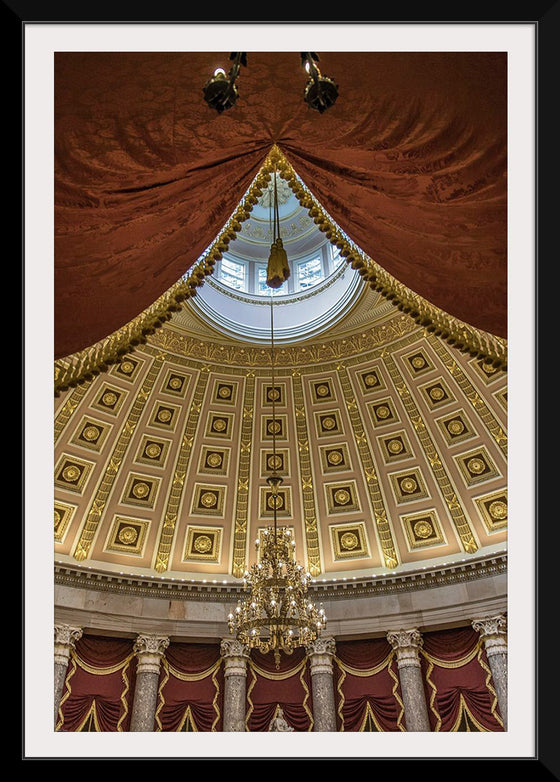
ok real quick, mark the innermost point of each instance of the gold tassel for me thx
(278, 269)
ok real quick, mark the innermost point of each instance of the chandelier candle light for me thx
(277, 616)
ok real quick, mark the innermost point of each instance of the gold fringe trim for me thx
(396, 695)
(277, 676)
(341, 694)
(193, 677)
(85, 364)
(490, 686)
(161, 699)
(68, 692)
(366, 672)
(464, 709)
(93, 712)
(215, 701)
(102, 671)
(455, 663)
(249, 691)
(123, 697)
(433, 697)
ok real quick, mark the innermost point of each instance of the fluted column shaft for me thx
(407, 643)
(235, 655)
(149, 650)
(321, 653)
(493, 632)
(65, 637)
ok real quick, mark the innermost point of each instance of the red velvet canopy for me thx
(410, 162)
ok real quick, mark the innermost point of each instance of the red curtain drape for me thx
(410, 162)
(367, 686)
(458, 682)
(99, 686)
(191, 689)
(287, 687)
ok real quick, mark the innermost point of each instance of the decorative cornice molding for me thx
(173, 589)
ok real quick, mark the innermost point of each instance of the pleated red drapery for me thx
(410, 162)
(99, 686)
(367, 687)
(191, 689)
(458, 682)
(288, 687)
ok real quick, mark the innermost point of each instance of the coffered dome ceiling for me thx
(391, 412)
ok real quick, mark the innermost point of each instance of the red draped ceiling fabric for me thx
(191, 689)
(367, 686)
(458, 682)
(288, 687)
(99, 686)
(410, 162)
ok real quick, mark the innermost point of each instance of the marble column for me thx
(407, 643)
(493, 632)
(235, 656)
(321, 653)
(65, 637)
(149, 650)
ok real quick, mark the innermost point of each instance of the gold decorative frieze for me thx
(395, 447)
(476, 466)
(274, 395)
(349, 541)
(141, 490)
(214, 460)
(282, 502)
(127, 368)
(208, 500)
(439, 471)
(203, 544)
(219, 425)
(171, 513)
(275, 461)
(153, 450)
(91, 434)
(456, 427)
(418, 363)
(109, 399)
(322, 391)
(164, 416)
(63, 513)
(175, 383)
(224, 392)
(120, 448)
(493, 509)
(382, 412)
(371, 380)
(72, 473)
(127, 535)
(274, 427)
(408, 486)
(328, 423)
(342, 497)
(422, 530)
(334, 458)
(437, 394)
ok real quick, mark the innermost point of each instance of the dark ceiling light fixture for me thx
(320, 91)
(220, 91)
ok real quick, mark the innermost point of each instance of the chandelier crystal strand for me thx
(278, 615)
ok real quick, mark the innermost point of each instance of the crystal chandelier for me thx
(277, 615)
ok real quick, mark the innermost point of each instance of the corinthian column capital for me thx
(492, 630)
(65, 637)
(407, 644)
(235, 655)
(321, 652)
(150, 649)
